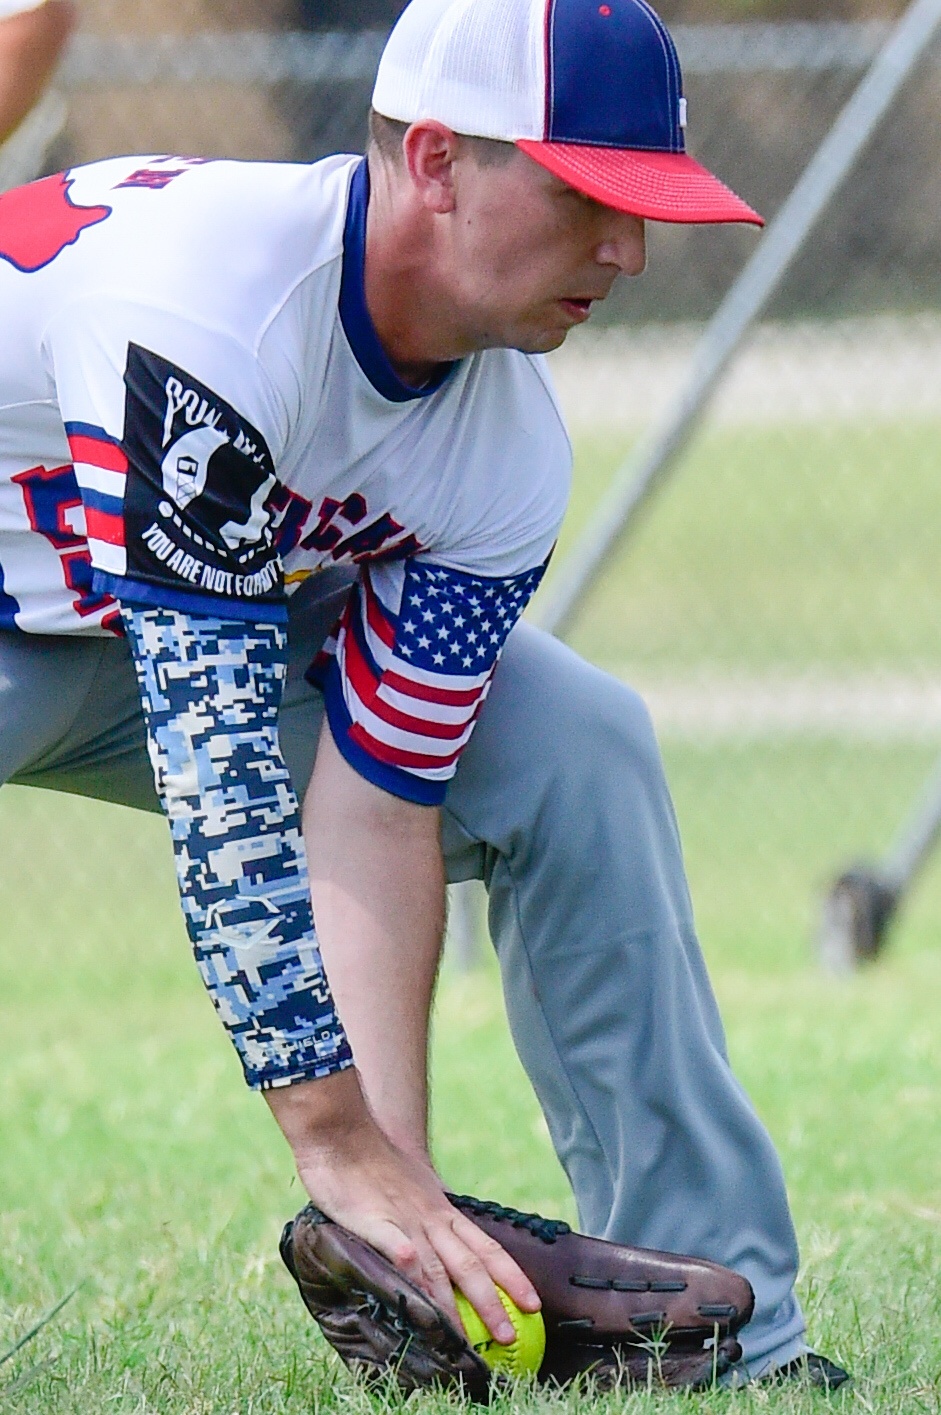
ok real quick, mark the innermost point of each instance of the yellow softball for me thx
(521, 1356)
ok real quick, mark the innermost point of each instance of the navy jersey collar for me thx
(355, 317)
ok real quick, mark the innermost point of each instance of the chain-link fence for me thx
(777, 606)
(770, 608)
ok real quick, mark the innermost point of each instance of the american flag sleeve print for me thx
(410, 666)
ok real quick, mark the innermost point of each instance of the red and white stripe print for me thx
(402, 714)
(101, 472)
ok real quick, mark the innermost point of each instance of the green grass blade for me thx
(26, 1379)
(43, 1322)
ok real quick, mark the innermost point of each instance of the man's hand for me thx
(394, 1201)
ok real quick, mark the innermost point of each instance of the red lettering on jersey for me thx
(150, 179)
(370, 543)
(53, 505)
(37, 222)
(154, 178)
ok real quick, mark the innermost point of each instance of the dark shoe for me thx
(813, 1369)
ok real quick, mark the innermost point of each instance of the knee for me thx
(597, 729)
(556, 740)
(616, 719)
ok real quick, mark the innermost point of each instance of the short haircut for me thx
(386, 136)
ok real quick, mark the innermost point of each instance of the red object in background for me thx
(38, 221)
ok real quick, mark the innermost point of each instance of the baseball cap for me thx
(590, 89)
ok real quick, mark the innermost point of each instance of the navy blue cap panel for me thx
(613, 76)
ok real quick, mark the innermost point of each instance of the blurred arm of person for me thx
(32, 38)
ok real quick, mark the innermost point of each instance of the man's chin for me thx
(544, 342)
(531, 339)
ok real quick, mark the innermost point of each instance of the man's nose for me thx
(624, 243)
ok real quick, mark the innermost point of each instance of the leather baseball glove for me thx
(624, 1316)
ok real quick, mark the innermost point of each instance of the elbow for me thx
(58, 20)
(366, 809)
(395, 816)
(340, 797)
(392, 817)
(177, 786)
(62, 21)
(55, 21)
(31, 45)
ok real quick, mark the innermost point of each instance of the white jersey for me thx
(18, 7)
(196, 413)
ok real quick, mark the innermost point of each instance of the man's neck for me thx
(407, 305)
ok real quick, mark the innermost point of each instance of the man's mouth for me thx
(577, 309)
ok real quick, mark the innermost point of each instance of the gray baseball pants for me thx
(560, 805)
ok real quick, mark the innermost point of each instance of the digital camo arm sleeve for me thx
(210, 690)
(177, 478)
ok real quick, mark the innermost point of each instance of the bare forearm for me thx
(377, 881)
(30, 46)
(378, 885)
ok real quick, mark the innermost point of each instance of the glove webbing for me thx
(548, 1229)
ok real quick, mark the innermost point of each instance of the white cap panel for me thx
(476, 65)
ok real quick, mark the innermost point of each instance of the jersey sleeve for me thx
(410, 665)
(174, 435)
(8, 8)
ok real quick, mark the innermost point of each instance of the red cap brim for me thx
(660, 186)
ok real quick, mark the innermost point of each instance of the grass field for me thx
(134, 1163)
(781, 547)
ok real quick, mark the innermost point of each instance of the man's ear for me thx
(430, 149)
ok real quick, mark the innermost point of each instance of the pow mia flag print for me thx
(198, 518)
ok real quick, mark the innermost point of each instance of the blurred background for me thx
(778, 603)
